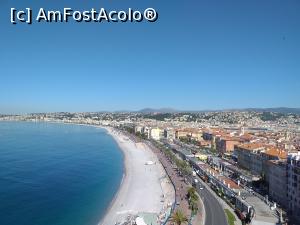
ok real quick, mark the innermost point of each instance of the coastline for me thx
(144, 191)
(78, 158)
(109, 208)
(140, 193)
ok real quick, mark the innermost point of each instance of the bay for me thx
(56, 174)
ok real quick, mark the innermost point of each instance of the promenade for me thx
(181, 187)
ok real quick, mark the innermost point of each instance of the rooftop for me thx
(251, 146)
(281, 154)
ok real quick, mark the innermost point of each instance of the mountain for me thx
(161, 110)
(284, 110)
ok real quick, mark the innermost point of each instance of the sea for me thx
(56, 174)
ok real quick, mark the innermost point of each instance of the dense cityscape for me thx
(250, 159)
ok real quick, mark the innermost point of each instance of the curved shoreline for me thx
(84, 160)
(141, 193)
(144, 189)
(121, 183)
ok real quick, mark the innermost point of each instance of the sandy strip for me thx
(144, 188)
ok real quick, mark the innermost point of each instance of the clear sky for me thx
(197, 55)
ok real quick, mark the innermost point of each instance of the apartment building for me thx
(245, 154)
(139, 129)
(293, 187)
(277, 179)
(156, 133)
(210, 135)
(191, 133)
(254, 156)
(169, 133)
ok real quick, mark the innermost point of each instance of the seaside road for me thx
(214, 212)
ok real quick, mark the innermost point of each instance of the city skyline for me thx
(169, 110)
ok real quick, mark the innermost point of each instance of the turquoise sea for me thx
(56, 174)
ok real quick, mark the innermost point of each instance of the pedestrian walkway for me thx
(199, 218)
(181, 187)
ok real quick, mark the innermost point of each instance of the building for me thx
(156, 133)
(207, 135)
(190, 133)
(169, 133)
(225, 144)
(182, 133)
(254, 156)
(293, 187)
(271, 153)
(147, 131)
(139, 129)
(205, 144)
(212, 135)
(277, 179)
(245, 152)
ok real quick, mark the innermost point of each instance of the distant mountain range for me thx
(284, 110)
(161, 110)
(278, 110)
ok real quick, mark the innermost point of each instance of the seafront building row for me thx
(266, 159)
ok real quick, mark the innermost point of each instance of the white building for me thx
(169, 133)
(139, 129)
(156, 133)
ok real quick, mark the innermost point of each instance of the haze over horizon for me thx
(173, 110)
(197, 56)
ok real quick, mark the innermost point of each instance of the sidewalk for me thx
(199, 219)
(180, 186)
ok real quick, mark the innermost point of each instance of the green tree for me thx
(193, 198)
(178, 218)
(193, 206)
(191, 192)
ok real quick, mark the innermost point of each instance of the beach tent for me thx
(140, 221)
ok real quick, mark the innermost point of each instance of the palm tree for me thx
(191, 191)
(192, 195)
(178, 218)
(193, 206)
(193, 198)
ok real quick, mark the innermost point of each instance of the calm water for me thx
(56, 174)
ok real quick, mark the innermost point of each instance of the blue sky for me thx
(197, 55)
